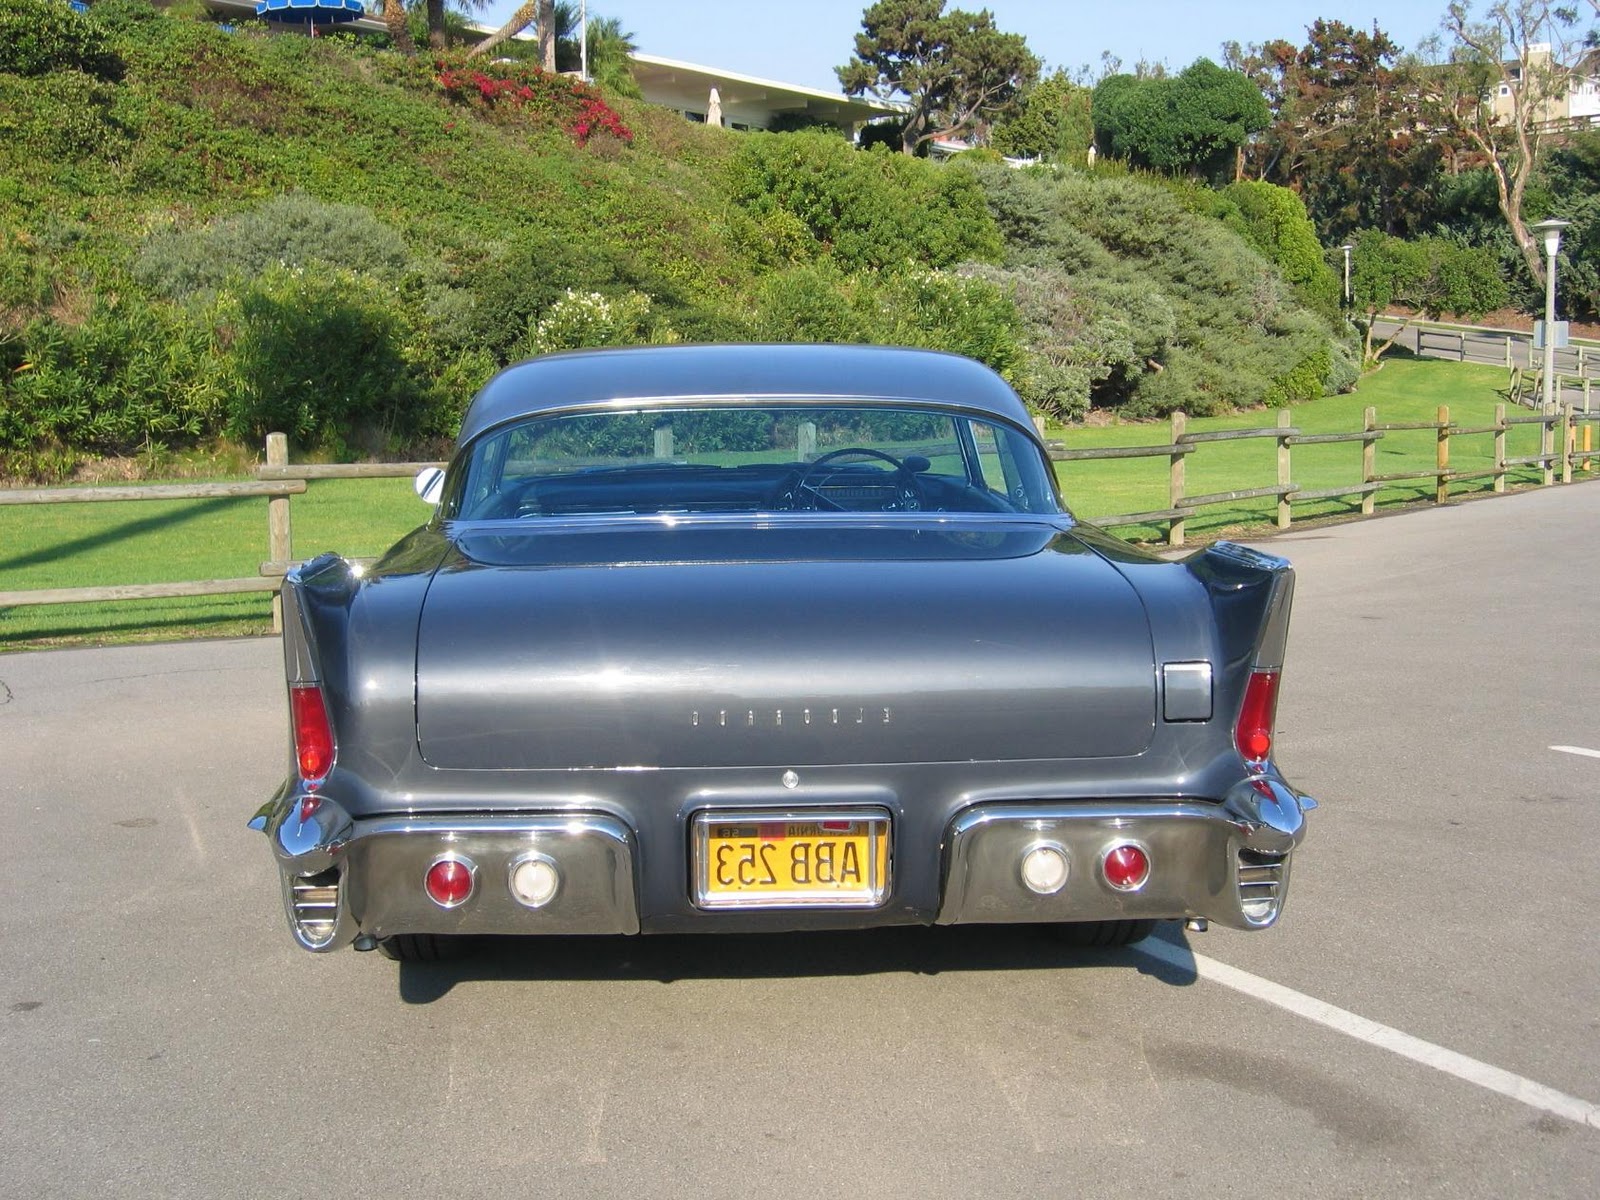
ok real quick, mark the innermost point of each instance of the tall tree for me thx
(1504, 73)
(1051, 121)
(956, 70)
(1350, 129)
(1194, 121)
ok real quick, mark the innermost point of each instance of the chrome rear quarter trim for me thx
(1193, 849)
(594, 853)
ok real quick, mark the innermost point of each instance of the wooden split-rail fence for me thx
(1558, 427)
(277, 480)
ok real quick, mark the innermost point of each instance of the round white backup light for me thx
(534, 881)
(1044, 869)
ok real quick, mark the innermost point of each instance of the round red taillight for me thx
(449, 882)
(1125, 867)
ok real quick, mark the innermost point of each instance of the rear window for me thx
(751, 458)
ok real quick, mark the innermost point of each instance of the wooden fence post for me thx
(1285, 419)
(1566, 443)
(1546, 444)
(1510, 365)
(1180, 423)
(663, 440)
(1369, 460)
(1500, 447)
(278, 533)
(1441, 491)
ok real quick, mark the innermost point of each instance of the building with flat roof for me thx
(748, 102)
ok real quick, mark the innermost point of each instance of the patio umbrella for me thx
(714, 109)
(310, 12)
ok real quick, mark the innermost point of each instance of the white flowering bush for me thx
(583, 319)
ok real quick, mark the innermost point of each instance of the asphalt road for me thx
(160, 1036)
(1466, 343)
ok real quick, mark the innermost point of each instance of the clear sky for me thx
(801, 41)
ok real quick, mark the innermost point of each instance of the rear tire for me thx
(420, 947)
(1102, 935)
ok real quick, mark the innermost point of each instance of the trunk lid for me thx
(729, 647)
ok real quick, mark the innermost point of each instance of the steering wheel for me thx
(908, 497)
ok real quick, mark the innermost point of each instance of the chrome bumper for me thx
(1225, 862)
(344, 878)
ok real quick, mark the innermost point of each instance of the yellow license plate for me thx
(784, 859)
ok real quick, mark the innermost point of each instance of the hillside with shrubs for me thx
(206, 234)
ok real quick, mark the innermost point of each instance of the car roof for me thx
(652, 373)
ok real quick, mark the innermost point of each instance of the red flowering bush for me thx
(575, 106)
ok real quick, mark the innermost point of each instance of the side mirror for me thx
(429, 484)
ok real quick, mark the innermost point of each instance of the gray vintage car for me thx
(769, 638)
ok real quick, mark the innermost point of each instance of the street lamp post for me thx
(1550, 230)
(1347, 247)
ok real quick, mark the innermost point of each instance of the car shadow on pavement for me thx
(667, 958)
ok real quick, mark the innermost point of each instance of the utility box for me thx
(1558, 330)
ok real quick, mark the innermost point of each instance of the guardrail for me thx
(1560, 423)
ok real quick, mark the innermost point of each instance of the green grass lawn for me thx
(85, 545)
(80, 545)
(1405, 390)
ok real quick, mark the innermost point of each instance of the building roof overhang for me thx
(688, 86)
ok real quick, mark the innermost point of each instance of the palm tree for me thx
(609, 51)
(542, 13)
(394, 16)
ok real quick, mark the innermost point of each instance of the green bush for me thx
(293, 231)
(132, 374)
(64, 117)
(809, 304)
(41, 36)
(866, 210)
(963, 313)
(942, 310)
(1274, 221)
(319, 355)
(1186, 314)
(520, 279)
(1083, 341)
(117, 16)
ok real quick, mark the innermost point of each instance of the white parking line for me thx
(1577, 750)
(1535, 1095)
